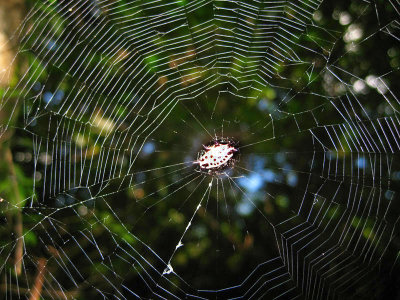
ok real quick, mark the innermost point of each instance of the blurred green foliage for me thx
(106, 231)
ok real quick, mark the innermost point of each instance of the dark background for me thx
(109, 105)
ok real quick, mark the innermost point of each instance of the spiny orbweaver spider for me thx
(218, 155)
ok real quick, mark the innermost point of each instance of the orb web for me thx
(113, 101)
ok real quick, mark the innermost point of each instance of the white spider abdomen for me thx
(216, 156)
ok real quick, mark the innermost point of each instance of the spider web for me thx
(116, 100)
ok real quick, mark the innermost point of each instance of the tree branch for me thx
(18, 227)
(38, 285)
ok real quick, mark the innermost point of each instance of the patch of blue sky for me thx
(292, 179)
(361, 163)
(252, 183)
(280, 158)
(396, 175)
(148, 148)
(269, 175)
(140, 177)
(37, 86)
(55, 98)
(47, 96)
(257, 162)
(255, 181)
(51, 45)
(244, 208)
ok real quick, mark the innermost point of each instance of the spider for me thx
(219, 155)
